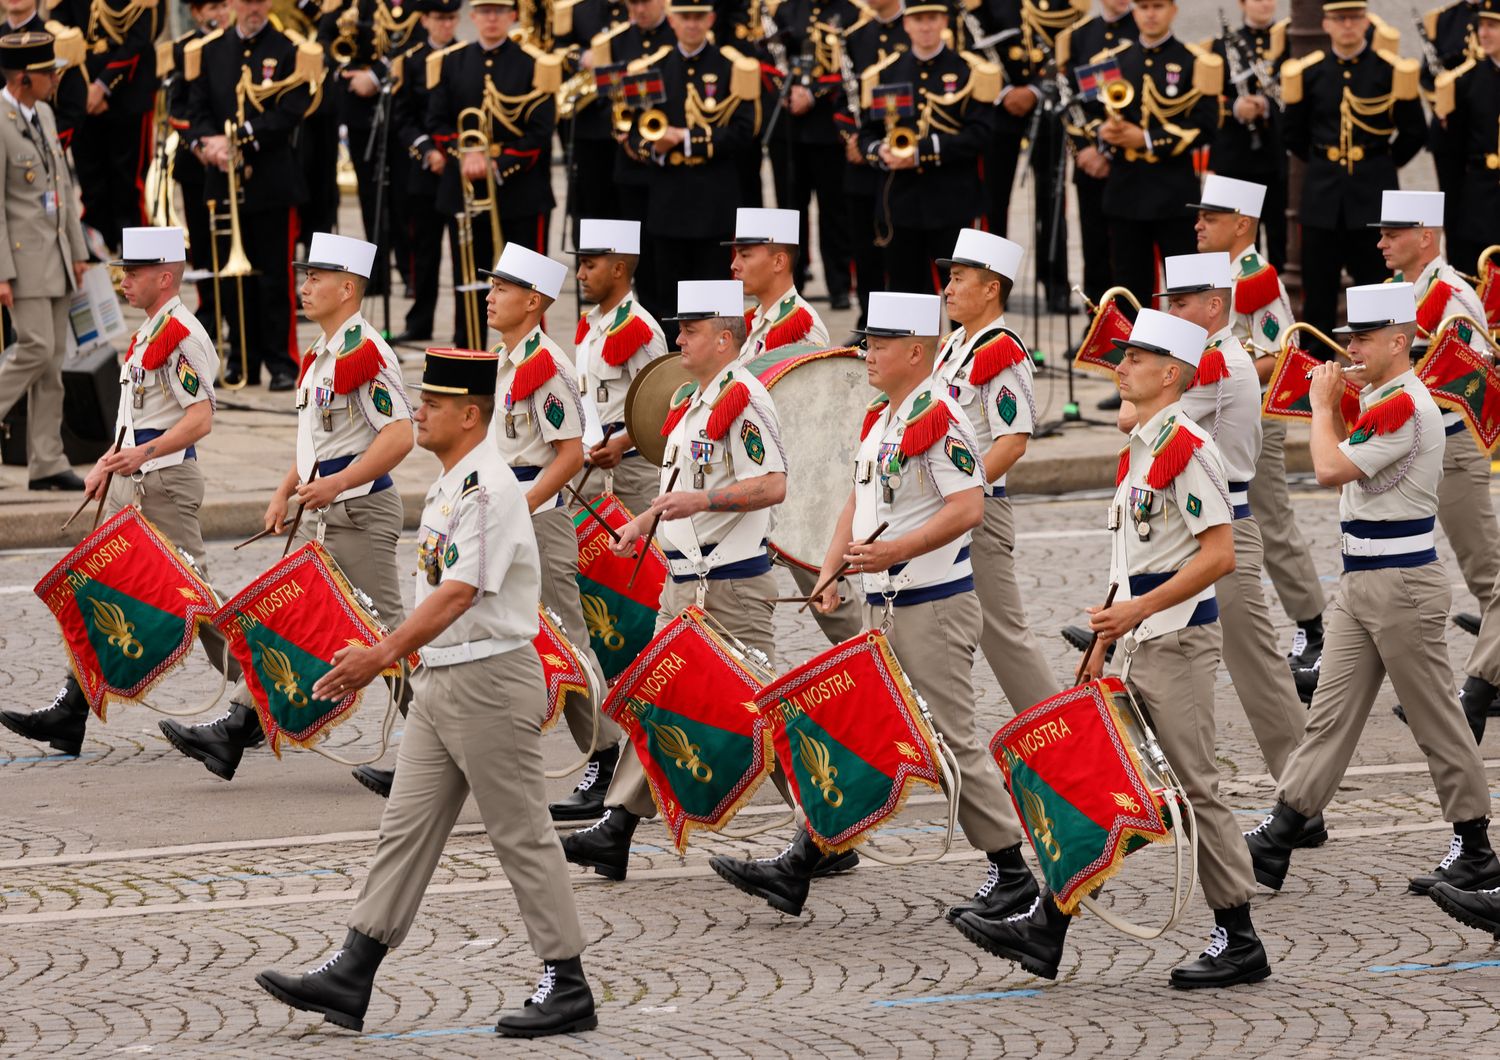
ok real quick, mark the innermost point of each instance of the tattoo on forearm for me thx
(741, 497)
(150, 449)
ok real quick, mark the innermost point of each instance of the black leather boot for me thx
(605, 847)
(60, 726)
(339, 988)
(1314, 833)
(1033, 938)
(1081, 637)
(1307, 644)
(377, 780)
(1471, 864)
(1467, 622)
(218, 744)
(782, 881)
(1478, 698)
(587, 800)
(1008, 887)
(1234, 954)
(1478, 909)
(835, 864)
(1271, 844)
(562, 1004)
(1307, 681)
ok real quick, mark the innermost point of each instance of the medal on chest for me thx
(510, 417)
(323, 398)
(137, 386)
(1140, 510)
(890, 461)
(430, 556)
(601, 392)
(702, 454)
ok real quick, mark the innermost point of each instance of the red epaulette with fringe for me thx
(1171, 456)
(1386, 415)
(927, 424)
(1123, 467)
(1211, 369)
(1430, 312)
(581, 332)
(308, 357)
(1254, 292)
(994, 357)
(357, 367)
(538, 367)
(793, 326)
(624, 338)
(872, 415)
(159, 346)
(678, 408)
(732, 400)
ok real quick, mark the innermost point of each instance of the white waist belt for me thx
(1239, 497)
(470, 651)
(1387, 546)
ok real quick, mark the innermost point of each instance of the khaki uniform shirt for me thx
(1262, 331)
(524, 430)
(761, 320)
(1462, 300)
(40, 234)
(1402, 468)
(1005, 405)
(184, 379)
(1229, 411)
(603, 386)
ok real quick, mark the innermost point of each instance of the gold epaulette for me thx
(1445, 89)
(192, 58)
(310, 62)
(1277, 47)
(1430, 22)
(562, 16)
(1208, 74)
(645, 62)
(1387, 36)
(1291, 76)
(435, 63)
(602, 46)
(870, 77)
(1111, 53)
(984, 78)
(744, 79)
(1082, 7)
(972, 5)
(1062, 45)
(328, 7)
(546, 71)
(865, 16)
(1406, 78)
(165, 62)
(68, 44)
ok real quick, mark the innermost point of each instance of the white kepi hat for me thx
(1410, 209)
(753, 224)
(151, 246)
(1191, 273)
(527, 268)
(896, 315)
(985, 250)
(597, 236)
(706, 299)
(1227, 195)
(1172, 336)
(1379, 305)
(333, 253)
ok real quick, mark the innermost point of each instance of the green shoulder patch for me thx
(186, 377)
(960, 455)
(450, 557)
(1361, 434)
(553, 410)
(471, 484)
(1270, 327)
(1005, 405)
(755, 447)
(1194, 505)
(1163, 434)
(353, 336)
(380, 397)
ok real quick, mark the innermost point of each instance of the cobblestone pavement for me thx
(139, 896)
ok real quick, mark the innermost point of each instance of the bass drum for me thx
(820, 396)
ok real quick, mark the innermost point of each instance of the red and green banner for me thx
(621, 617)
(1288, 391)
(562, 669)
(129, 607)
(1077, 784)
(1489, 286)
(688, 704)
(1464, 380)
(850, 738)
(1098, 352)
(284, 629)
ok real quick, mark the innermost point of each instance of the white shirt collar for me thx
(26, 112)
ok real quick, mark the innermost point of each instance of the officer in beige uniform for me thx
(1228, 220)
(166, 408)
(918, 581)
(1393, 598)
(42, 253)
(1171, 542)
(474, 728)
(765, 257)
(985, 368)
(539, 431)
(353, 428)
(714, 524)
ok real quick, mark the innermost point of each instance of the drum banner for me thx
(1464, 380)
(1098, 353)
(621, 617)
(1077, 785)
(1489, 290)
(283, 629)
(1288, 390)
(688, 705)
(562, 669)
(771, 365)
(850, 738)
(129, 607)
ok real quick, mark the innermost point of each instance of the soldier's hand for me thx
(679, 504)
(892, 161)
(852, 154)
(319, 493)
(630, 533)
(80, 270)
(1122, 133)
(475, 165)
(275, 519)
(1019, 101)
(7, 296)
(828, 600)
(435, 161)
(1116, 620)
(1327, 387)
(1091, 666)
(353, 668)
(125, 461)
(361, 82)
(672, 138)
(1248, 108)
(1093, 162)
(872, 557)
(93, 482)
(801, 100)
(609, 454)
(97, 104)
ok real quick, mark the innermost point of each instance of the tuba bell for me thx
(653, 125)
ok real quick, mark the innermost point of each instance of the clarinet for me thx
(1240, 72)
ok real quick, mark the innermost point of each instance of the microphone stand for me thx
(379, 146)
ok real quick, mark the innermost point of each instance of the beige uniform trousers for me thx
(557, 543)
(1468, 516)
(1261, 677)
(1388, 621)
(1173, 676)
(1484, 659)
(1287, 559)
(475, 727)
(743, 607)
(935, 644)
(34, 371)
(1006, 640)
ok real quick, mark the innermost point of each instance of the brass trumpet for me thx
(236, 267)
(473, 135)
(653, 125)
(1302, 325)
(1116, 96)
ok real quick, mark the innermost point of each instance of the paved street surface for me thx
(139, 896)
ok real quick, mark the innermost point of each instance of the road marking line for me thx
(1452, 966)
(990, 995)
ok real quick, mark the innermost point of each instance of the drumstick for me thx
(614, 536)
(252, 540)
(840, 572)
(1114, 587)
(650, 534)
(103, 490)
(590, 469)
(297, 519)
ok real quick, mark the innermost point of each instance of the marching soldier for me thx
(1228, 217)
(765, 259)
(1174, 113)
(1172, 541)
(1467, 104)
(987, 371)
(1353, 115)
(539, 430)
(166, 408)
(509, 143)
(1249, 144)
(353, 428)
(42, 253)
(706, 121)
(1393, 598)
(70, 100)
(249, 88)
(475, 726)
(1083, 44)
(932, 181)
(918, 582)
(879, 34)
(1452, 36)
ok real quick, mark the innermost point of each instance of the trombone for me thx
(473, 135)
(237, 267)
(161, 206)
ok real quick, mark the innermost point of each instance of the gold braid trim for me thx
(115, 24)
